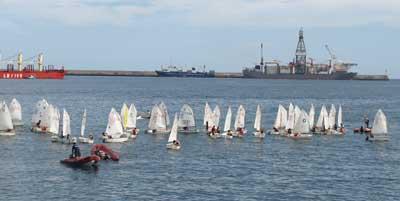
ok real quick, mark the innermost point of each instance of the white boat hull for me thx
(158, 131)
(85, 140)
(259, 134)
(7, 133)
(225, 135)
(300, 136)
(115, 140)
(57, 139)
(173, 146)
(214, 136)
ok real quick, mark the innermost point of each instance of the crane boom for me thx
(333, 56)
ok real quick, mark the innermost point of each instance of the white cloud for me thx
(279, 13)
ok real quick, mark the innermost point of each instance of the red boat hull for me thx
(101, 147)
(80, 161)
(49, 74)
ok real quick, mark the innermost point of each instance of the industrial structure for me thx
(303, 67)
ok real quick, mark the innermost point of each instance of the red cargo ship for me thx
(29, 71)
(32, 74)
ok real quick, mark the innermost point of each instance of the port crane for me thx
(337, 65)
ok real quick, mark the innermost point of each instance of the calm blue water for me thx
(324, 168)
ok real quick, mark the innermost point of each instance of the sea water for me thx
(275, 168)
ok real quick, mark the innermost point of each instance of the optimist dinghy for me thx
(129, 122)
(379, 131)
(187, 122)
(6, 125)
(82, 138)
(65, 137)
(157, 122)
(227, 127)
(114, 131)
(259, 132)
(16, 112)
(213, 129)
(301, 129)
(240, 129)
(173, 142)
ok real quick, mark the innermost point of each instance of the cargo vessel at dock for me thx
(30, 70)
(173, 71)
(304, 68)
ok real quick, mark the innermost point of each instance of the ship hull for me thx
(333, 76)
(183, 74)
(51, 74)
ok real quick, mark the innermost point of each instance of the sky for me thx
(224, 35)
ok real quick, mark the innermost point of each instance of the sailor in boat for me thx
(176, 143)
(335, 127)
(213, 130)
(76, 152)
(229, 133)
(341, 128)
(134, 131)
(289, 131)
(218, 131)
(240, 131)
(275, 129)
(207, 125)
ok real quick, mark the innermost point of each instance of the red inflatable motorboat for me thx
(81, 161)
(97, 148)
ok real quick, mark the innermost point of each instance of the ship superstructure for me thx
(174, 71)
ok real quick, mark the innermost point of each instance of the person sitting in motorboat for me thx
(76, 152)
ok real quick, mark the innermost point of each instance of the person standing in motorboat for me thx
(366, 121)
(76, 152)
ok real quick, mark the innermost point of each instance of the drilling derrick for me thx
(301, 56)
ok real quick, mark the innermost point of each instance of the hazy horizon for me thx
(224, 35)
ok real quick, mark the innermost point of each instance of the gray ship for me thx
(300, 69)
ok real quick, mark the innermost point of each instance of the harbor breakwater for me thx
(154, 74)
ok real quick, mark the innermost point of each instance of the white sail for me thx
(332, 117)
(257, 120)
(278, 118)
(297, 113)
(290, 120)
(186, 117)
(15, 110)
(66, 124)
(83, 125)
(114, 126)
(39, 113)
(325, 120)
(311, 116)
(208, 113)
(340, 117)
(124, 114)
(302, 124)
(228, 120)
(240, 118)
(216, 116)
(284, 117)
(155, 113)
(320, 121)
(131, 117)
(5, 118)
(51, 120)
(173, 136)
(164, 112)
(380, 123)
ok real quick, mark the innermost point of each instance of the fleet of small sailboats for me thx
(293, 122)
